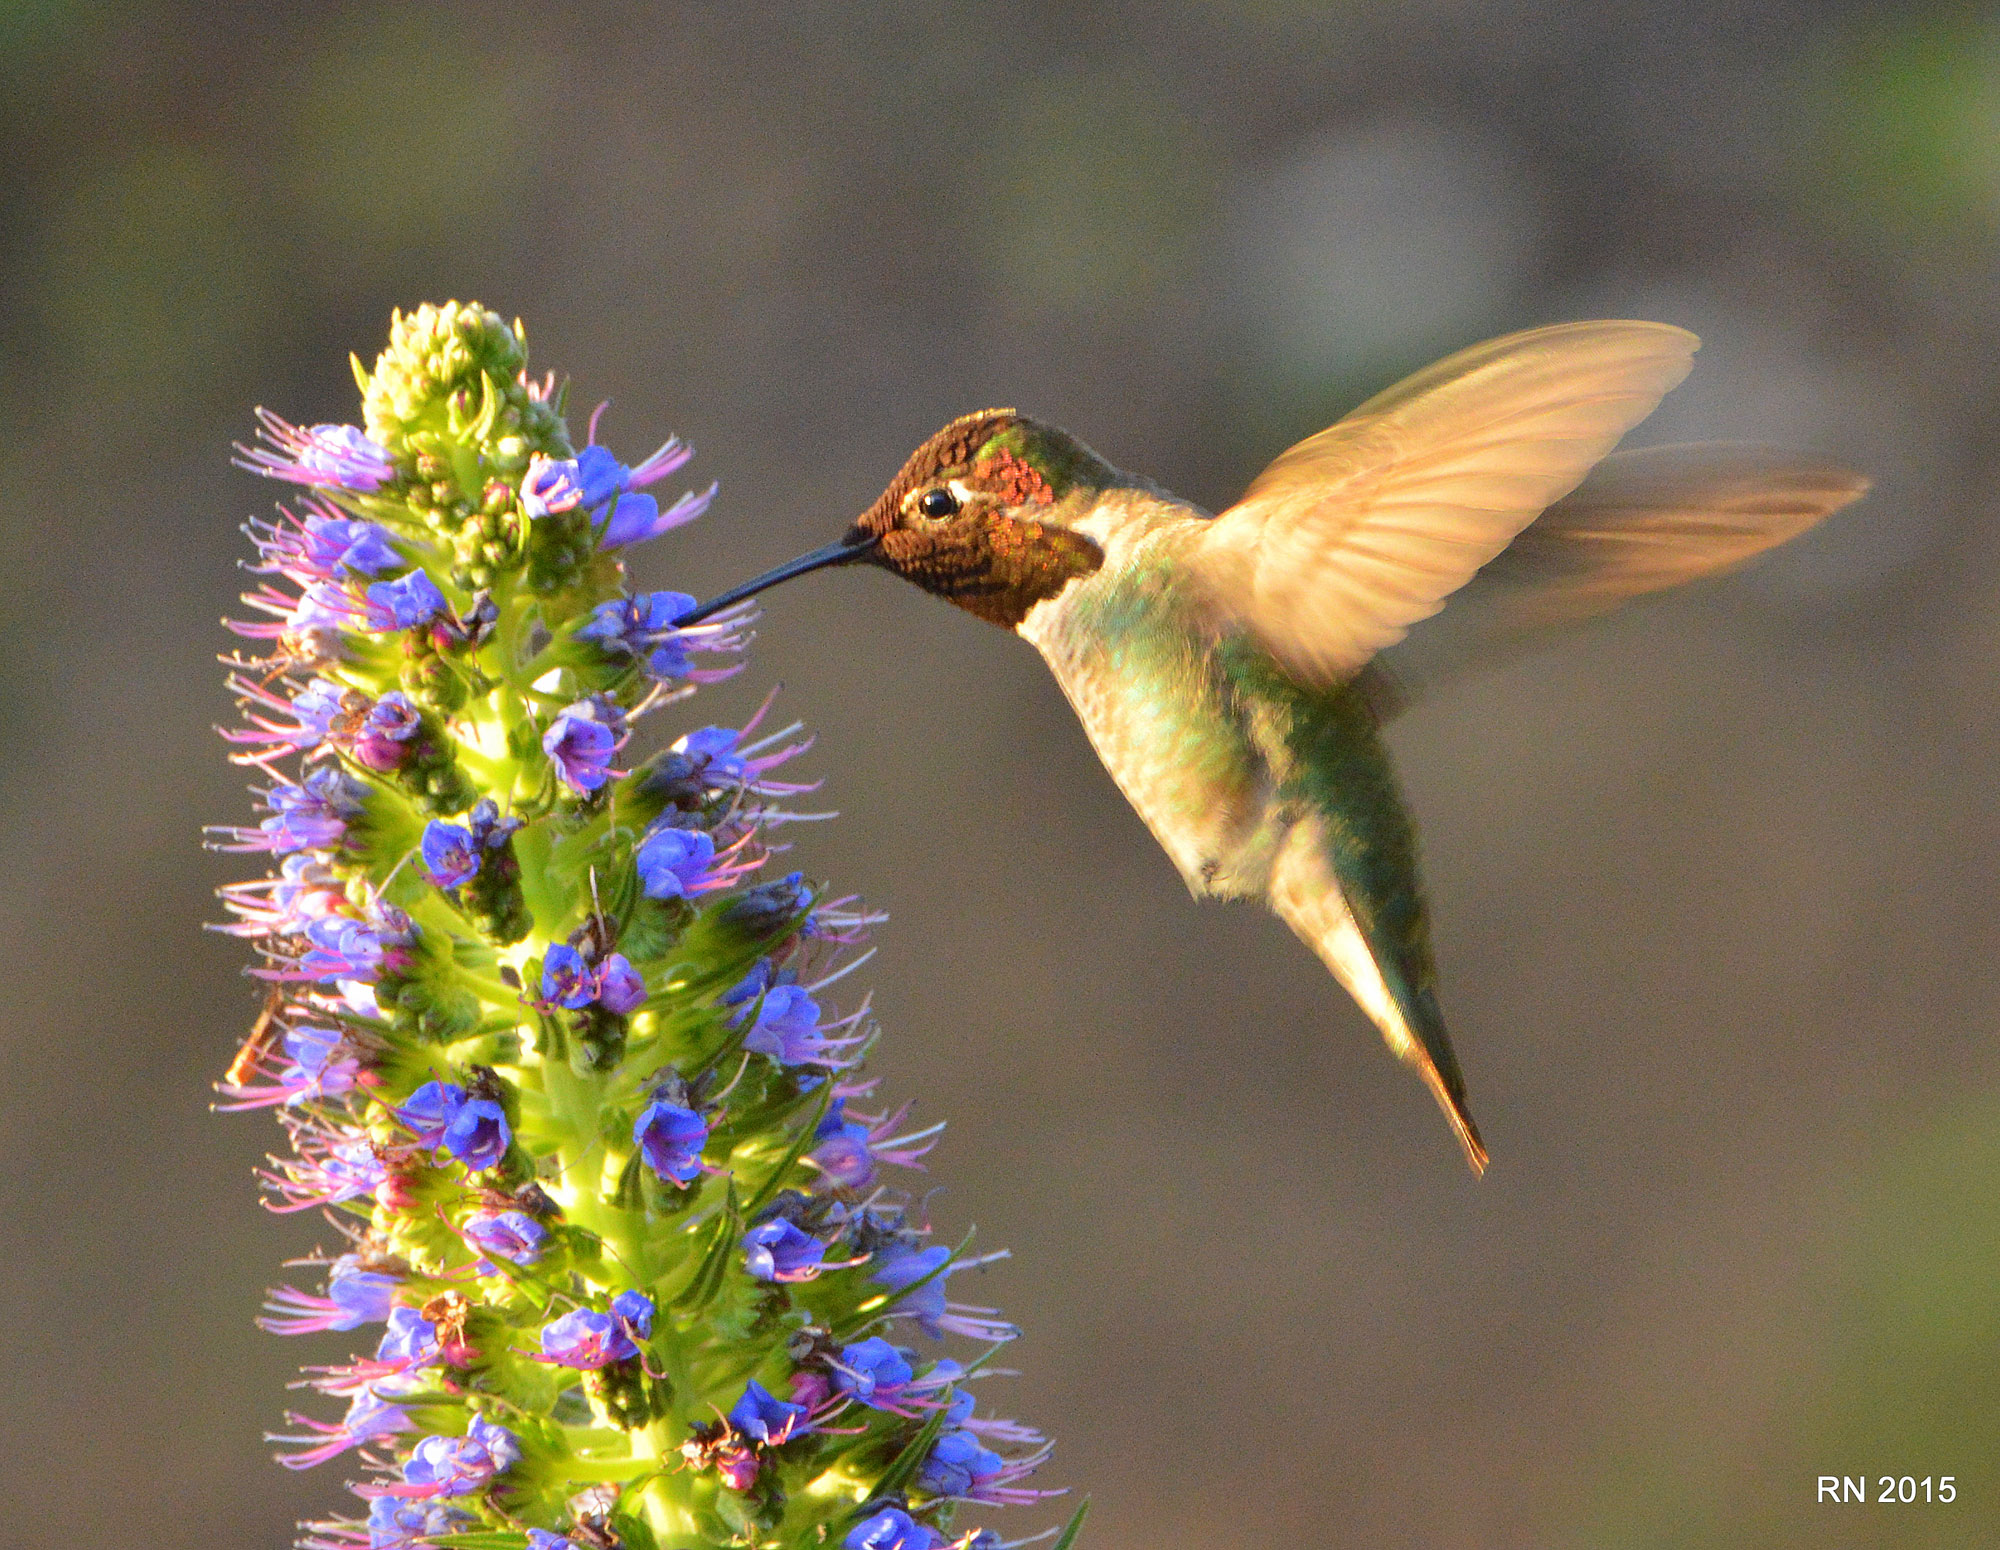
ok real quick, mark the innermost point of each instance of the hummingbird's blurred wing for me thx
(1355, 534)
(1643, 521)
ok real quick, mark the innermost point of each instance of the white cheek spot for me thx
(962, 490)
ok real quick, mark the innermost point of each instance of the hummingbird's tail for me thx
(1305, 892)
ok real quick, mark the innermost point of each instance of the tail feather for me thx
(1306, 894)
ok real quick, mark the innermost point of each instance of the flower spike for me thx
(549, 1039)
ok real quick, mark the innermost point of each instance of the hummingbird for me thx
(1234, 670)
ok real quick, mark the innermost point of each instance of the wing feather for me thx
(1643, 521)
(1355, 534)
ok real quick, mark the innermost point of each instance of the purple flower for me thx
(554, 485)
(620, 987)
(310, 816)
(353, 1297)
(401, 1525)
(787, 1027)
(958, 1465)
(311, 714)
(474, 1130)
(382, 740)
(643, 627)
(636, 1309)
(597, 481)
(510, 1235)
(670, 1138)
(633, 519)
(714, 748)
(778, 1251)
(761, 1415)
(674, 863)
(902, 1266)
(430, 1111)
(411, 1340)
(544, 1539)
(406, 603)
(588, 1339)
(567, 979)
(573, 981)
(892, 1529)
(330, 455)
(314, 815)
(458, 1466)
(449, 854)
(871, 1369)
(582, 739)
(331, 544)
(369, 1417)
(478, 1135)
(343, 948)
(332, 1166)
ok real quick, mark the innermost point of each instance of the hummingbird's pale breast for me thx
(1136, 657)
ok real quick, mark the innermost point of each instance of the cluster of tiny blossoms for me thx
(568, 1079)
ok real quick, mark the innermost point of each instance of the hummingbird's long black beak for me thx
(857, 545)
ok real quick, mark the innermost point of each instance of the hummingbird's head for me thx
(978, 516)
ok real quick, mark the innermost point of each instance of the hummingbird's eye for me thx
(937, 503)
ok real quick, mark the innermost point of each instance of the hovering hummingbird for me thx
(1234, 670)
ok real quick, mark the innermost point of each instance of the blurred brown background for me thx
(1715, 886)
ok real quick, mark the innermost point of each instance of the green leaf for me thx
(793, 1153)
(903, 1468)
(715, 1262)
(1073, 1527)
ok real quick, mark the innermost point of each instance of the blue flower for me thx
(478, 1135)
(410, 1341)
(313, 815)
(430, 1111)
(892, 1529)
(674, 863)
(544, 1539)
(567, 979)
(343, 948)
(778, 1251)
(449, 854)
(458, 1466)
(598, 482)
(620, 987)
(871, 1369)
(510, 1235)
(573, 981)
(636, 1310)
(670, 1138)
(588, 1339)
(761, 1415)
(339, 456)
(353, 1297)
(959, 1463)
(401, 1525)
(926, 1271)
(643, 627)
(582, 739)
(635, 518)
(333, 544)
(474, 1130)
(787, 1027)
(406, 603)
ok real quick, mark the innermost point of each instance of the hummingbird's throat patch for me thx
(998, 569)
